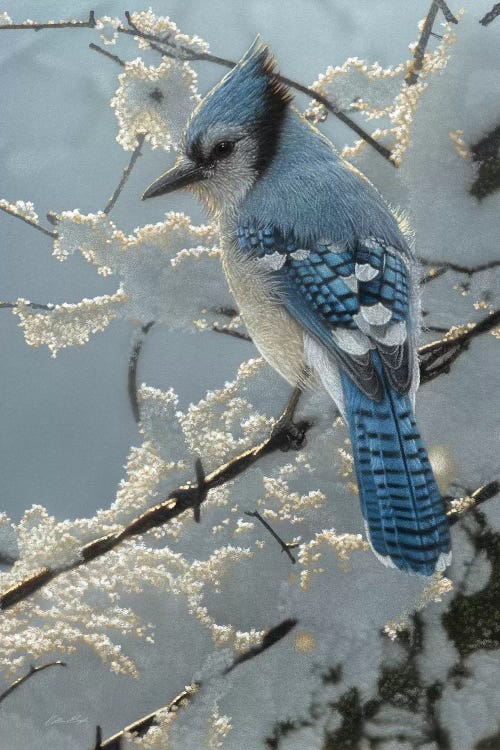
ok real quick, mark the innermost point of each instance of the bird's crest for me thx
(251, 92)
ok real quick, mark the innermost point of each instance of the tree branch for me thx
(28, 221)
(285, 547)
(89, 24)
(141, 726)
(419, 53)
(440, 267)
(126, 173)
(32, 670)
(107, 54)
(437, 357)
(284, 436)
(132, 370)
(491, 15)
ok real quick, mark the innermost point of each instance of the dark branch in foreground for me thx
(107, 54)
(132, 370)
(436, 359)
(418, 55)
(285, 547)
(491, 15)
(24, 678)
(140, 727)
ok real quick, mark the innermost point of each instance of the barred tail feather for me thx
(401, 503)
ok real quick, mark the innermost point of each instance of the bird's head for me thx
(232, 135)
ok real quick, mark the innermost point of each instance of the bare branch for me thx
(440, 267)
(491, 15)
(132, 369)
(271, 637)
(231, 332)
(34, 305)
(28, 221)
(28, 675)
(89, 24)
(126, 173)
(107, 54)
(285, 547)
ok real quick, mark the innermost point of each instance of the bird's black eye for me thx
(222, 149)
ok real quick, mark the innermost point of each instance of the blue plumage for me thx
(329, 288)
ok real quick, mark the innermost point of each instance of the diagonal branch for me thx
(491, 15)
(141, 726)
(32, 670)
(285, 546)
(107, 54)
(438, 268)
(437, 357)
(419, 52)
(31, 223)
(126, 173)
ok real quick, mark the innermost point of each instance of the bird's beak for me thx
(182, 174)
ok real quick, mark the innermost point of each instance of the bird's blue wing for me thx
(350, 299)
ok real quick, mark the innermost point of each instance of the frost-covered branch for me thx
(142, 725)
(13, 210)
(418, 55)
(437, 357)
(456, 507)
(89, 24)
(32, 670)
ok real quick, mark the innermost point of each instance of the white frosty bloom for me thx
(155, 101)
(164, 28)
(68, 324)
(24, 209)
(108, 25)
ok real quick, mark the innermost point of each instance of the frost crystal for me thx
(155, 101)
(164, 28)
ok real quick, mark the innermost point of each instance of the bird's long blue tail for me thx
(400, 500)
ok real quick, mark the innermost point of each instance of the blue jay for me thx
(327, 287)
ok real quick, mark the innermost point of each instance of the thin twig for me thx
(107, 54)
(132, 370)
(491, 15)
(442, 266)
(89, 24)
(285, 547)
(418, 55)
(28, 221)
(141, 726)
(34, 305)
(231, 332)
(30, 673)
(126, 173)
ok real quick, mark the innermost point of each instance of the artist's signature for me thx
(55, 719)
